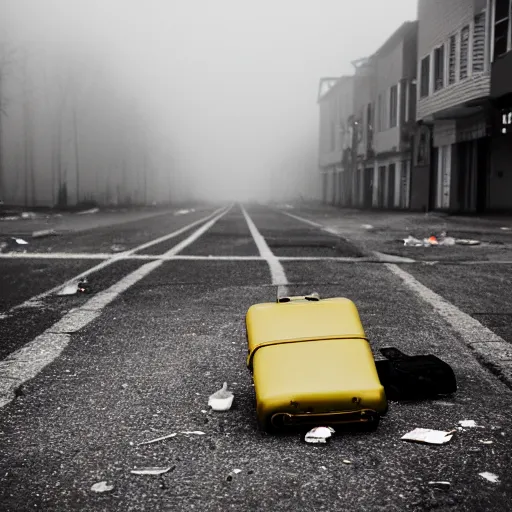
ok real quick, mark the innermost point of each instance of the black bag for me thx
(414, 377)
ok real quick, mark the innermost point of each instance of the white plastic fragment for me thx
(429, 436)
(69, 289)
(150, 471)
(345, 461)
(490, 476)
(88, 212)
(28, 215)
(236, 471)
(505, 229)
(157, 439)
(319, 435)
(485, 441)
(440, 485)
(102, 487)
(20, 241)
(467, 423)
(194, 432)
(368, 227)
(117, 248)
(44, 232)
(464, 241)
(221, 400)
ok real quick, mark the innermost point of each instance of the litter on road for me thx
(440, 485)
(345, 461)
(490, 476)
(442, 240)
(193, 432)
(485, 441)
(319, 435)
(184, 212)
(44, 232)
(158, 439)
(467, 423)
(20, 241)
(368, 227)
(151, 471)
(222, 399)
(117, 248)
(428, 436)
(89, 212)
(102, 487)
(74, 288)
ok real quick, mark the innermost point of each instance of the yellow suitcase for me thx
(312, 364)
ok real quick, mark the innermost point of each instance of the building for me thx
(500, 183)
(384, 104)
(335, 99)
(452, 145)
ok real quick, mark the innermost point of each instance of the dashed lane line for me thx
(276, 269)
(35, 301)
(25, 363)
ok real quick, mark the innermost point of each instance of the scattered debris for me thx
(463, 241)
(319, 435)
(505, 229)
(10, 217)
(69, 289)
(117, 248)
(231, 473)
(442, 239)
(75, 287)
(20, 241)
(194, 432)
(221, 400)
(367, 227)
(490, 476)
(157, 439)
(44, 232)
(429, 436)
(467, 423)
(89, 212)
(28, 215)
(486, 441)
(102, 487)
(345, 461)
(150, 471)
(184, 212)
(440, 485)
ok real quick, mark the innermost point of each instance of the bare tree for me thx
(7, 56)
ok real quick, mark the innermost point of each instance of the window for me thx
(407, 100)
(369, 127)
(333, 136)
(479, 44)
(501, 28)
(464, 53)
(452, 61)
(439, 68)
(425, 76)
(393, 106)
(380, 106)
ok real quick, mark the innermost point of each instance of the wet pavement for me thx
(164, 337)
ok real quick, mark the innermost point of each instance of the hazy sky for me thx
(231, 83)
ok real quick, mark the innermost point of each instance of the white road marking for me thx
(119, 256)
(276, 269)
(484, 342)
(25, 363)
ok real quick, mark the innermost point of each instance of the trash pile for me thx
(79, 286)
(442, 240)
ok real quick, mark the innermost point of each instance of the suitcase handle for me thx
(285, 419)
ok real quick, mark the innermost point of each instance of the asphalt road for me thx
(85, 378)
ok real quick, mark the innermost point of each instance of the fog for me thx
(131, 101)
